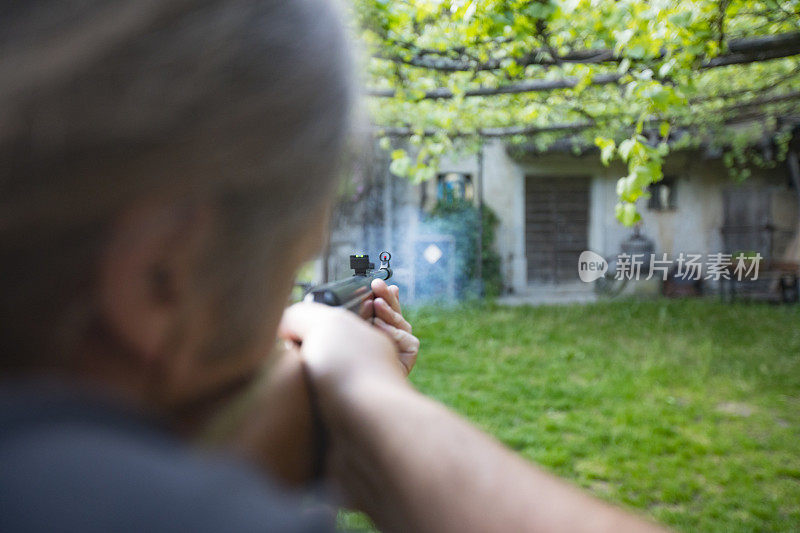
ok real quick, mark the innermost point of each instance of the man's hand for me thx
(338, 347)
(389, 318)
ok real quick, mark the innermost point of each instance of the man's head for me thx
(165, 166)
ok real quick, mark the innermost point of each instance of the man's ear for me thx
(316, 234)
(145, 273)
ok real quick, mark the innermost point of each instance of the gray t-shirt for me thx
(70, 461)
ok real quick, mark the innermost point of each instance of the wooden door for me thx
(556, 227)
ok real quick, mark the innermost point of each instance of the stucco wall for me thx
(692, 227)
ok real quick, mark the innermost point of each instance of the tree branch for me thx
(509, 131)
(757, 49)
(741, 51)
(746, 50)
(513, 88)
(403, 131)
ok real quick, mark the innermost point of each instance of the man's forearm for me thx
(414, 466)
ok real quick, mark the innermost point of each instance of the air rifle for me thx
(353, 292)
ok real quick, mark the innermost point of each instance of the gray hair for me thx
(247, 102)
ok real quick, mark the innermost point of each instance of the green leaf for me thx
(637, 51)
(607, 148)
(642, 176)
(400, 167)
(660, 98)
(682, 18)
(625, 148)
(622, 39)
(666, 68)
(539, 10)
(627, 214)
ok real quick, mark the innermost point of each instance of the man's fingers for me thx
(394, 291)
(407, 344)
(367, 310)
(384, 311)
(389, 294)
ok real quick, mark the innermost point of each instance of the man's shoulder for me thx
(86, 475)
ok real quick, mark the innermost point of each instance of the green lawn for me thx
(688, 411)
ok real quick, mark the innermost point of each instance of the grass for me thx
(686, 411)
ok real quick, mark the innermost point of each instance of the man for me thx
(166, 167)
